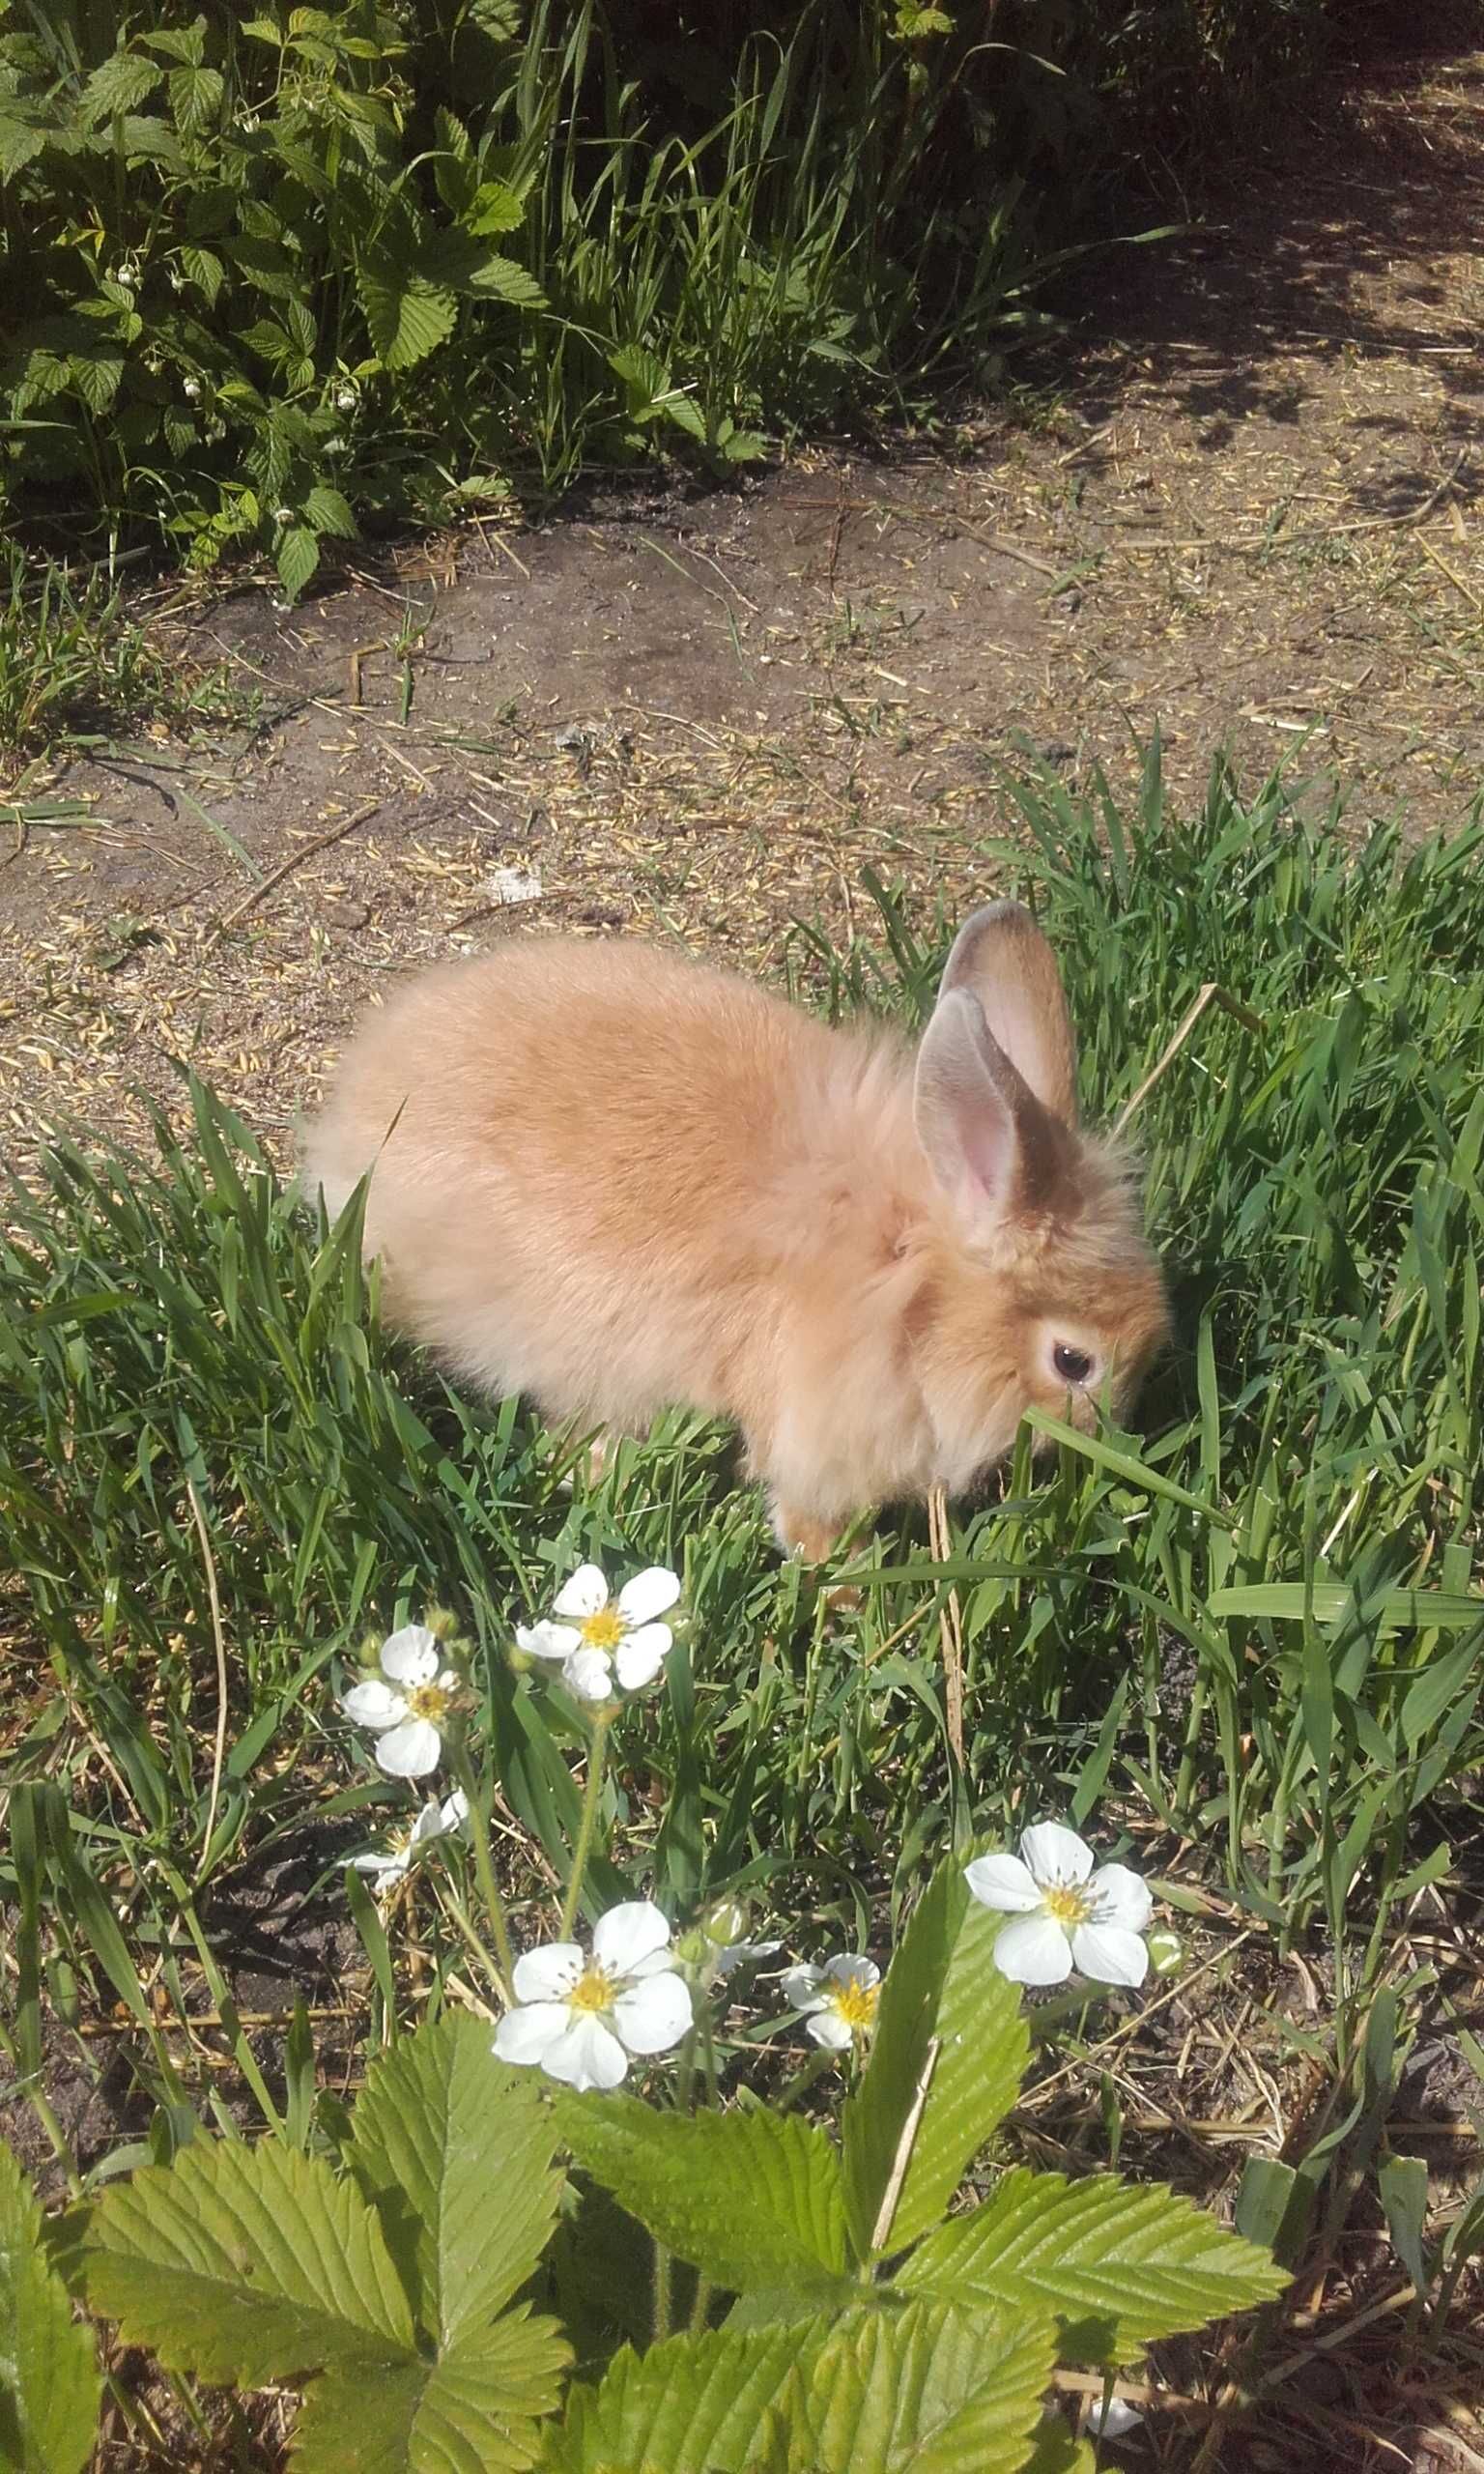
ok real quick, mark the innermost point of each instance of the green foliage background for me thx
(272, 276)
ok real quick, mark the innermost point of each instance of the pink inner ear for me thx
(964, 1120)
(1003, 960)
(1037, 1043)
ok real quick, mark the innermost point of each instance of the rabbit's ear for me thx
(992, 1147)
(1001, 957)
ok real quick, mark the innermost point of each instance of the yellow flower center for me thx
(602, 1631)
(1066, 1903)
(593, 1990)
(428, 1701)
(856, 2005)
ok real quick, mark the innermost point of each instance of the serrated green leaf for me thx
(97, 376)
(495, 207)
(329, 512)
(942, 1985)
(686, 413)
(20, 140)
(1118, 2266)
(247, 2264)
(119, 84)
(49, 2387)
(501, 278)
(296, 558)
(1057, 2451)
(454, 2152)
(204, 269)
(750, 2199)
(477, 2409)
(147, 139)
(195, 97)
(407, 316)
(933, 2388)
(179, 42)
(693, 2405)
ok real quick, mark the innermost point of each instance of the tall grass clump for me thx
(1256, 1623)
(276, 275)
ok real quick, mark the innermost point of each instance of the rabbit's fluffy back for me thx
(615, 1179)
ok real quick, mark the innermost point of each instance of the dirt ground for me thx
(1240, 503)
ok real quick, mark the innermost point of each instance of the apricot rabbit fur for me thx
(615, 1179)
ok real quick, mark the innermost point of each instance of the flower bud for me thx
(1166, 1951)
(724, 1922)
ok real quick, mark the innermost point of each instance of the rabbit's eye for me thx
(1074, 1366)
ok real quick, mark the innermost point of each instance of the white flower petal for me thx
(454, 1812)
(851, 1969)
(429, 1823)
(387, 1869)
(586, 2055)
(637, 1660)
(410, 1750)
(1054, 1854)
(628, 1934)
(653, 1965)
(1002, 1882)
(735, 1954)
(1109, 1954)
(589, 1675)
(1113, 2420)
(800, 1986)
(652, 2016)
(1033, 1950)
(374, 1703)
(648, 1594)
(546, 1640)
(547, 1974)
(585, 1594)
(1120, 1897)
(411, 1655)
(527, 2035)
(828, 2028)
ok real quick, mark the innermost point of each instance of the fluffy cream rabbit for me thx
(614, 1179)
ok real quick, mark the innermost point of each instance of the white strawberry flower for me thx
(603, 1641)
(1066, 1915)
(407, 1704)
(732, 1955)
(580, 2018)
(840, 1999)
(1114, 2420)
(405, 1842)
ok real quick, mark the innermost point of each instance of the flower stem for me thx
(455, 1907)
(804, 2077)
(484, 1869)
(708, 2052)
(593, 1798)
(661, 2292)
